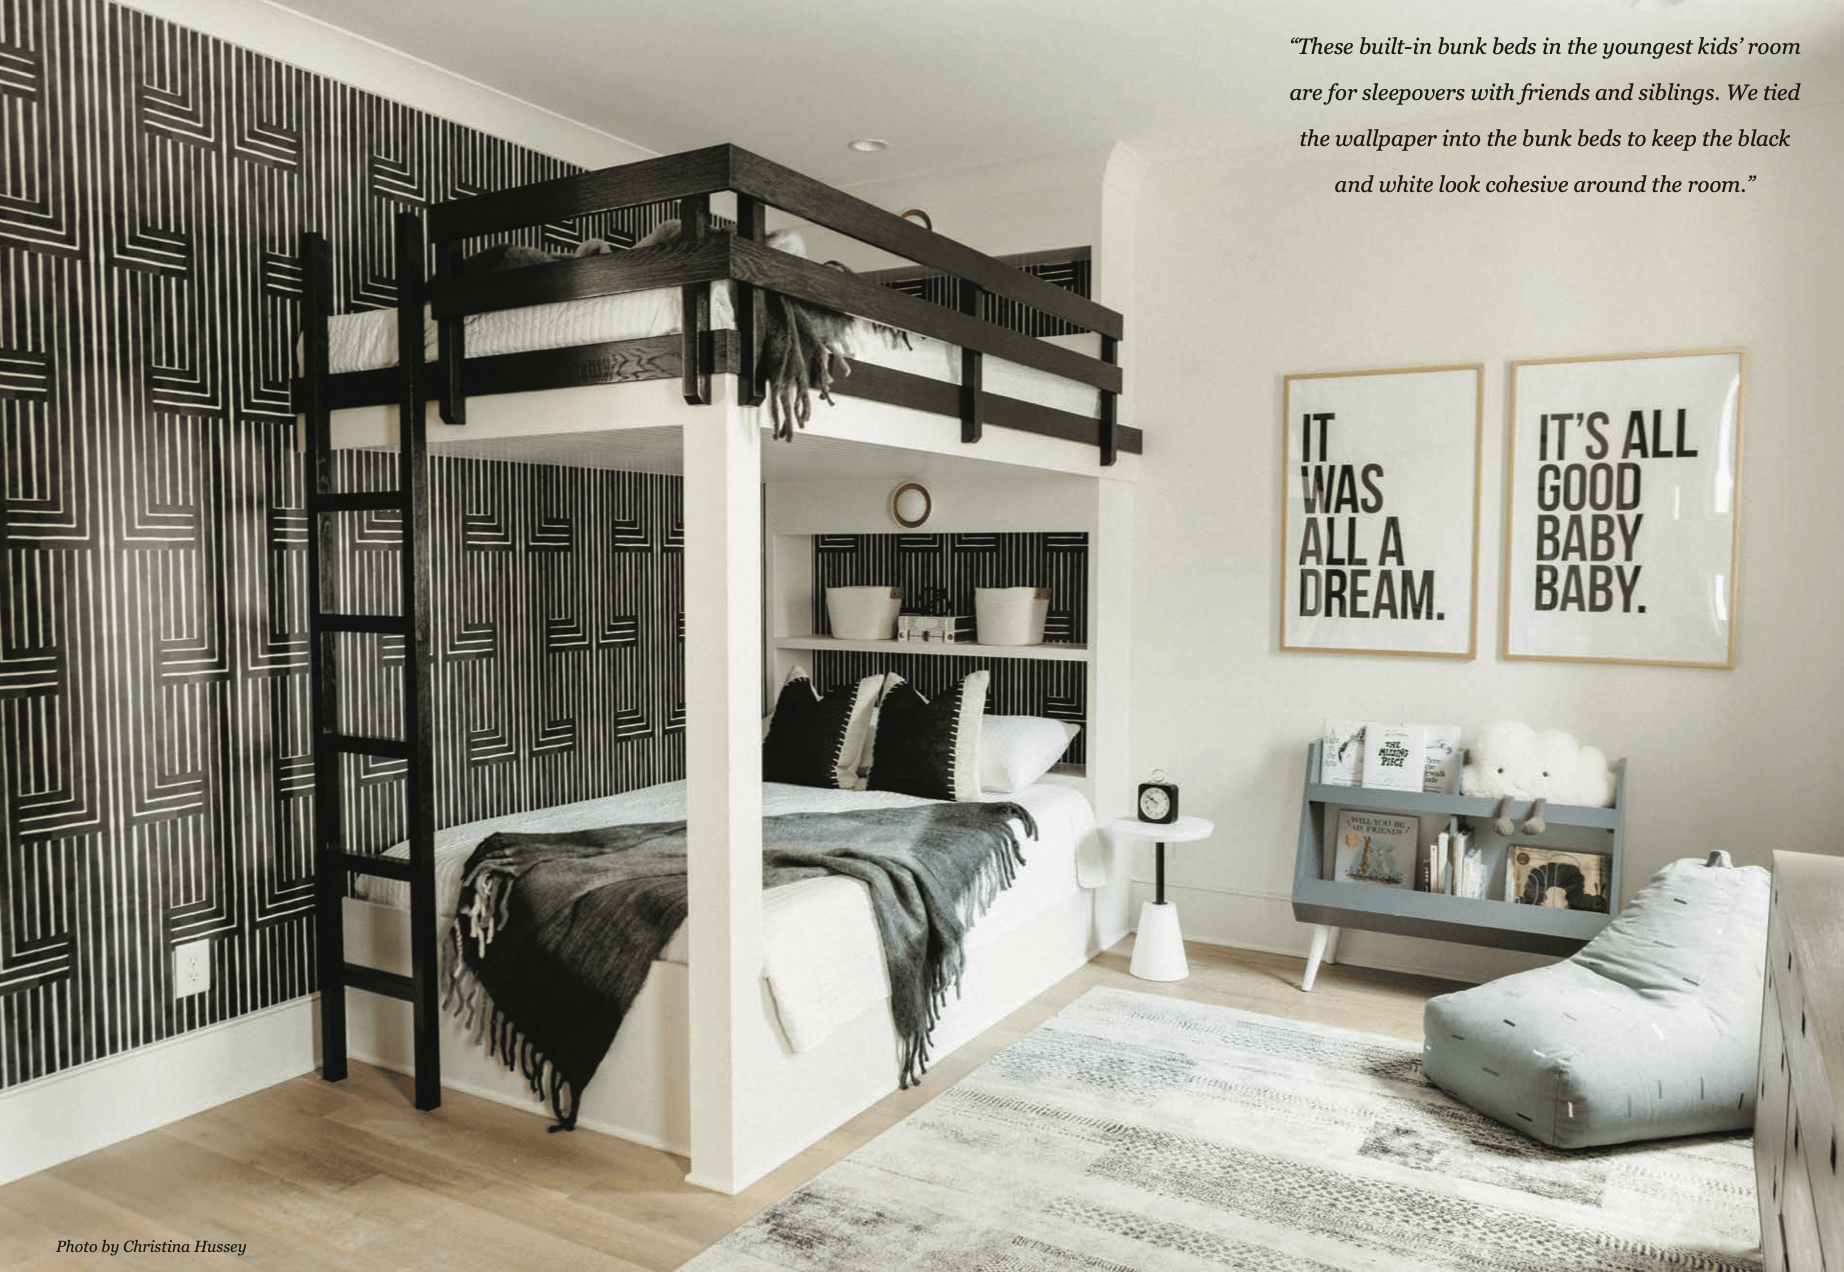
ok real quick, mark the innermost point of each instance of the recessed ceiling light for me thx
(869, 145)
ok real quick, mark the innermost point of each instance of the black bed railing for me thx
(701, 257)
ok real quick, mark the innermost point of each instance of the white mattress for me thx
(822, 956)
(367, 341)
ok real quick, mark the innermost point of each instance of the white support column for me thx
(1110, 718)
(723, 763)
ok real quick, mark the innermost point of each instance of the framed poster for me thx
(1380, 511)
(1622, 530)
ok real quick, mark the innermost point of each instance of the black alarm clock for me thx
(1158, 800)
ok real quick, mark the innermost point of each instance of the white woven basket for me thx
(1010, 615)
(863, 613)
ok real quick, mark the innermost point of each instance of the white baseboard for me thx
(68, 1114)
(1247, 919)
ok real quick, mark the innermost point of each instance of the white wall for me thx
(1251, 268)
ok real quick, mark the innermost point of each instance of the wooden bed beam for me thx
(1110, 407)
(731, 168)
(643, 269)
(793, 276)
(658, 358)
(722, 256)
(972, 370)
(705, 171)
(802, 196)
(751, 225)
(700, 257)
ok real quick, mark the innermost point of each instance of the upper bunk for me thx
(599, 360)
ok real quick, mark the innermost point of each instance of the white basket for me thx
(863, 613)
(1010, 615)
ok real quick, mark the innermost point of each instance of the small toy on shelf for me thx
(1511, 760)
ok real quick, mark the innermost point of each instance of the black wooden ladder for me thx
(326, 625)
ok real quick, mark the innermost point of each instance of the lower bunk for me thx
(824, 1043)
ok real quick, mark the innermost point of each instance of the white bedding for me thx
(821, 954)
(368, 340)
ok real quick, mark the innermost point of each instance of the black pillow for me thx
(931, 749)
(814, 740)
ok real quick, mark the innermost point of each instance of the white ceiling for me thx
(954, 83)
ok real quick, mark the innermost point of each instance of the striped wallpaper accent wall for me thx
(558, 676)
(957, 564)
(154, 755)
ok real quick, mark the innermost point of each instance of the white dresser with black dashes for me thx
(1799, 1115)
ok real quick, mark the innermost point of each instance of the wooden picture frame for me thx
(1380, 476)
(1622, 508)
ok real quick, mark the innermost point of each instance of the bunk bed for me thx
(690, 399)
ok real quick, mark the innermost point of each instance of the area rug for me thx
(1134, 1132)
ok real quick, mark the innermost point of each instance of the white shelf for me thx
(1046, 653)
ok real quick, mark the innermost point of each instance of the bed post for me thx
(1110, 406)
(972, 367)
(695, 309)
(1110, 718)
(751, 224)
(723, 796)
(451, 343)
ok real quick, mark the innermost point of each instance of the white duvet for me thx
(821, 953)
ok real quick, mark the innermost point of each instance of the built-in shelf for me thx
(1334, 903)
(1048, 653)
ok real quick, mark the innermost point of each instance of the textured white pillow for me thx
(1017, 750)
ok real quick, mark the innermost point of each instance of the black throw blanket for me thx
(554, 934)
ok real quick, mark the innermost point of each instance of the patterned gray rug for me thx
(1134, 1133)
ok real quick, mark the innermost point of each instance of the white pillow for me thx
(1017, 750)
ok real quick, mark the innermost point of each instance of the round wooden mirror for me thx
(910, 504)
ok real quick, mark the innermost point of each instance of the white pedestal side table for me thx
(1158, 946)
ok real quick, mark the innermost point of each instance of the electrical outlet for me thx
(191, 968)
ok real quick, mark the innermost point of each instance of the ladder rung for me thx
(384, 867)
(354, 744)
(382, 624)
(377, 981)
(357, 501)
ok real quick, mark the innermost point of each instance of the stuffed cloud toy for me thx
(1510, 760)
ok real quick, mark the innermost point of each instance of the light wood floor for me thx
(316, 1175)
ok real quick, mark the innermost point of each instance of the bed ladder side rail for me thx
(326, 623)
(419, 729)
(323, 697)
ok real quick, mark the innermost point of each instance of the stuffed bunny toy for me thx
(1510, 761)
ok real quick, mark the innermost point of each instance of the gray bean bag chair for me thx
(1652, 1029)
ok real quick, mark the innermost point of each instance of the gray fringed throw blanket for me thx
(554, 934)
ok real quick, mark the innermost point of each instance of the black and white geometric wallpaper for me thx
(154, 778)
(954, 565)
